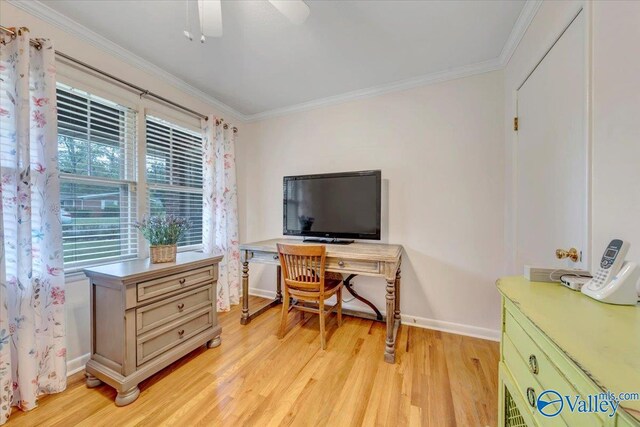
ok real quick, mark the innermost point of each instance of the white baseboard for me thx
(452, 328)
(76, 365)
(263, 293)
(420, 322)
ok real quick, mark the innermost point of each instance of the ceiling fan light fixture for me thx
(295, 10)
(210, 12)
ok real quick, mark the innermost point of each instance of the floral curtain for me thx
(32, 332)
(220, 214)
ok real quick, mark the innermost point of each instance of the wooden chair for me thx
(304, 279)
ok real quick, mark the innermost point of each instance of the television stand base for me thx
(328, 241)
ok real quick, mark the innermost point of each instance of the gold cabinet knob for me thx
(572, 254)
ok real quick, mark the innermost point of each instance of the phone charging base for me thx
(574, 283)
(621, 290)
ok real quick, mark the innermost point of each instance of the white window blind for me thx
(96, 152)
(174, 175)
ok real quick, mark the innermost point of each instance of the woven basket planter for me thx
(163, 253)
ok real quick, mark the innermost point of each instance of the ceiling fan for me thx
(210, 16)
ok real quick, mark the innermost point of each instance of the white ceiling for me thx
(263, 62)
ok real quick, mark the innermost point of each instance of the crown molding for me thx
(427, 79)
(527, 14)
(520, 27)
(44, 12)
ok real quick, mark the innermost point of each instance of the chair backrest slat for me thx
(303, 266)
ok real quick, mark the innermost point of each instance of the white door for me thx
(552, 172)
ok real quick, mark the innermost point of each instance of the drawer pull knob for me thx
(533, 364)
(180, 306)
(531, 397)
(181, 281)
(341, 263)
(276, 257)
(181, 333)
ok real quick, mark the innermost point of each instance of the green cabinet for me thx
(559, 352)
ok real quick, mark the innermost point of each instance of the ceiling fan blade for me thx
(295, 10)
(210, 17)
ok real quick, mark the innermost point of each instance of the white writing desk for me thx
(367, 259)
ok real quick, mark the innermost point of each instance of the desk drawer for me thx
(159, 340)
(265, 257)
(353, 266)
(332, 263)
(154, 315)
(176, 282)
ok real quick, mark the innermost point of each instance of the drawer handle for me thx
(341, 263)
(180, 306)
(531, 397)
(181, 281)
(181, 333)
(533, 364)
(276, 257)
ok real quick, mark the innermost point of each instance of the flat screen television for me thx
(333, 206)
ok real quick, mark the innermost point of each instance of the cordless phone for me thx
(610, 263)
(615, 281)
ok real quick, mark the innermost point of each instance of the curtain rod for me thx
(143, 92)
(137, 88)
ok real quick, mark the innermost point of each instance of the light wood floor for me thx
(255, 379)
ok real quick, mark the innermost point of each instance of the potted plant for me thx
(163, 233)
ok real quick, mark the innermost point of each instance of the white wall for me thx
(77, 293)
(616, 125)
(614, 34)
(440, 148)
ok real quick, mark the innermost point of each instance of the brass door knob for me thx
(572, 254)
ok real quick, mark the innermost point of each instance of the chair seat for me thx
(331, 282)
(331, 275)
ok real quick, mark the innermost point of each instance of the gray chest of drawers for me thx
(146, 316)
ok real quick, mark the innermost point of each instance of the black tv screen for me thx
(336, 205)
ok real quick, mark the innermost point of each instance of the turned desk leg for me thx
(397, 301)
(390, 342)
(245, 291)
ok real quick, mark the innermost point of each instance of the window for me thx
(96, 151)
(97, 156)
(174, 175)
